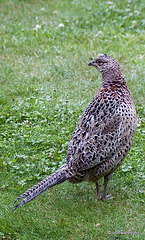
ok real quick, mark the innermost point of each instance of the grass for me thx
(45, 85)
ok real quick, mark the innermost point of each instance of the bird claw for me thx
(108, 197)
(98, 196)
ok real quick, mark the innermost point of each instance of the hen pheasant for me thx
(102, 138)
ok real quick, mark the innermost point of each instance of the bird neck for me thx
(114, 78)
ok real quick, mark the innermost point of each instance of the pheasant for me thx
(103, 137)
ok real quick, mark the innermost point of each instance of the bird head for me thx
(104, 64)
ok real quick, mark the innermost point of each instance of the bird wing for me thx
(96, 138)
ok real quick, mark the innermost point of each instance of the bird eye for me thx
(99, 63)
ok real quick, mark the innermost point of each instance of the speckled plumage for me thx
(103, 136)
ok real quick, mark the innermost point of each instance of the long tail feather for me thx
(57, 177)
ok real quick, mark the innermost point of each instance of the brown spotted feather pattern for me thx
(102, 138)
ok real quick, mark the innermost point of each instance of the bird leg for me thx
(98, 192)
(105, 187)
(106, 179)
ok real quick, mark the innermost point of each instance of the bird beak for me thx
(91, 63)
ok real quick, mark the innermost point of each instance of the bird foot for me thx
(108, 197)
(98, 196)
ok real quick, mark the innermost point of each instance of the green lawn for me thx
(45, 85)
